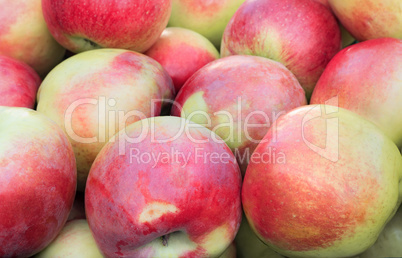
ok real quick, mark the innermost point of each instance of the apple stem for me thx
(165, 239)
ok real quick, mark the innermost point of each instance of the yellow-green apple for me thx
(182, 52)
(250, 246)
(301, 34)
(209, 18)
(18, 83)
(37, 178)
(388, 243)
(74, 240)
(370, 19)
(81, 25)
(338, 188)
(168, 188)
(239, 98)
(94, 94)
(347, 39)
(366, 78)
(25, 36)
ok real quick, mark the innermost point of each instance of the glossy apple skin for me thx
(81, 25)
(240, 86)
(37, 178)
(366, 78)
(127, 79)
(327, 202)
(74, 240)
(209, 18)
(25, 36)
(388, 243)
(182, 52)
(301, 34)
(132, 203)
(19, 83)
(370, 19)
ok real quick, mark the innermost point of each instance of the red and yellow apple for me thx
(182, 52)
(301, 34)
(209, 18)
(25, 36)
(370, 19)
(18, 83)
(95, 94)
(239, 98)
(81, 25)
(37, 178)
(336, 191)
(366, 78)
(167, 188)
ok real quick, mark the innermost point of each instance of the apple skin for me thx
(25, 36)
(388, 243)
(209, 18)
(250, 246)
(304, 37)
(331, 198)
(127, 79)
(37, 178)
(132, 203)
(182, 52)
(81, 25)
(370, 19)
(366, 78)
(19, 83)
(74, 240)
(262, 84)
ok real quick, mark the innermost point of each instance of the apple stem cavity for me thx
(165, 239)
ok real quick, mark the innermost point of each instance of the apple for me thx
(388, 243)
(301, 34)
(25, 36)
(94, 94)
(37, 178)
(336, 191)
(81, 25)
(75, 240)
(347, 39)
(249, 246)
(167, 188)
(19, 83)
(209, 18)
(370, 19)
(366, 78)
(182, 52)
(239, 98)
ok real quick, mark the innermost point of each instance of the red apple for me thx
(37, 178)
(239, 98)
(25, 36)
(95, 94)
(81, 25)
(209, 18)
(167, 188)
(182, 52)
(301, 34)
(366, 78)
(75, 240)
(18, 83)
(370, 19)
(336, 191)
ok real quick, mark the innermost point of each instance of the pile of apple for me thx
(124, 132)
